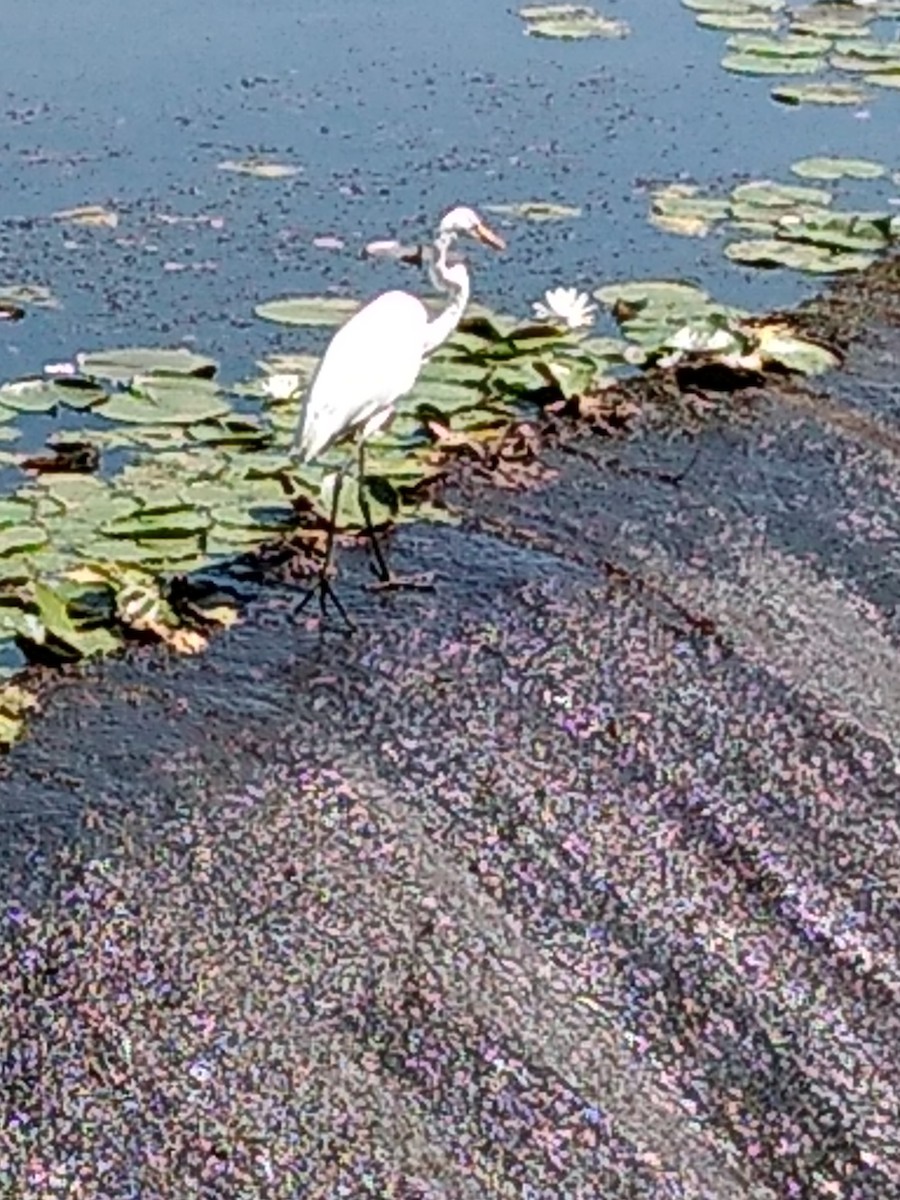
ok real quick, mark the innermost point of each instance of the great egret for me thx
(370, 363)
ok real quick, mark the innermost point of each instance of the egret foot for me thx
(396, 583)
(324, 590)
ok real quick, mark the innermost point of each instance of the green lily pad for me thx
(166, 402)
(819, 93)
(769, 195)
(662, 293)
(260, 168)
(680, 208)
(157, 523)
(840, 230)
(830, 20)
(535, 210)
(795, 353)
(884, 79)
(734, 6)
(838, 168)
(308, 310)
(54, 616)
(816, 260)
(16, 538)
(570, 22)
(29, 395)
(16, 510)
(865, 54)
(759, 64)
(90, 215)
(789, 46)
(120, 366)
(26, 294)
(748, 19)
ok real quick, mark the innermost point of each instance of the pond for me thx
(391, 112)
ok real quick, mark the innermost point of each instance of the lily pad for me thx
(748, 19)
(840, 230)
(830, 20)
(884, 79)
(17, 538)
(680, 208)
(260, 168)
(536, 210)
(660, 292)
(91, 215)
(54, 616)
(819, 93)
(759, 64)
(157, 523)
(816, 260)
(776, 343)
(865, 55)
(838, 168)
(166, 402)
(767, 194)
(119, 366)
(570, 22)
(734, 6)
(308, 310)
(27, 294)
(29, 395)
(789, 46)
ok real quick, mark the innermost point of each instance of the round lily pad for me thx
(759, 64)
(16, 538)
(768, 194)
(570, 22)
(163, 401)
(308, 310)
(260, 168)
(787, 46)
(816, 260)
(819, 93)
(734, 6)
(884, 79)
(838, 168)
(121, 365)
(535, 210)
(748, 19)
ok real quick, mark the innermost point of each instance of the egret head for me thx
(465, 221)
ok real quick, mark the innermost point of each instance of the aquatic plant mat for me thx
(150, 483)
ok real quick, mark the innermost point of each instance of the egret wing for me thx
(370, 363)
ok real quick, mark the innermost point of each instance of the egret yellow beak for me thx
(494, 240)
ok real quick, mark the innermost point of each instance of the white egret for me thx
(370, 363)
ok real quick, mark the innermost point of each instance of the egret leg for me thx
(322, 587)
(386, 579)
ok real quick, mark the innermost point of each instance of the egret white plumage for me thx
(371, 363)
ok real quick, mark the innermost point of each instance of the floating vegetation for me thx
(793, 225)
(571, 22)
(821, 39)
(259, 168)
(308, 310)
(820, 93)
(91, 215)
(535, 210)
(838, 168)
(96, 547)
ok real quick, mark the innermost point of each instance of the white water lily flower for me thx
(568, 305)
(281, 387)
